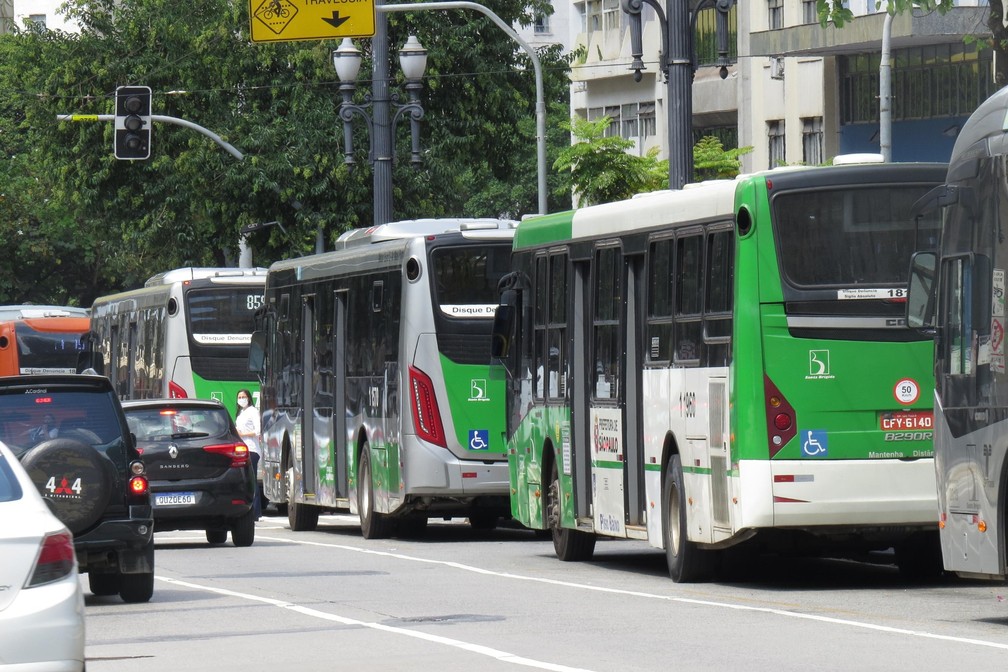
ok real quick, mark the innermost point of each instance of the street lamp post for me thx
(380, 122)
(678, 66)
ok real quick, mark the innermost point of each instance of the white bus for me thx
(184, 334)
(958, 294)
(377, 392)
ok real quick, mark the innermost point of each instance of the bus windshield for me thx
(850, 237)
(465, 278)
(223, 315)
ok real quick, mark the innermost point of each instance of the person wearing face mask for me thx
(247, 422)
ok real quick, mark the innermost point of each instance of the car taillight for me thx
(238, 452)
(175, 391)
(138, 485)
(55, 560)
(426, 415)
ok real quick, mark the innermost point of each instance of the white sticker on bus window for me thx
(472, 310)
(223, 339)
(862, 293)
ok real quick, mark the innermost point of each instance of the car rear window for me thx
(10, 488)
(27, 419)
(166, 423)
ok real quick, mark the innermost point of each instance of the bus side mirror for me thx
(921, 293)
(257, 353)
(503, 328)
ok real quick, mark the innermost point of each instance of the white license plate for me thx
(174, 498)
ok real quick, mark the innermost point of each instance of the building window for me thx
(38, 20)
(594, 16)
(927, 82)
(705, 37)
(775, 138)
(648, 124)
(812, 141)
(541, 25)
(631, 122)
(728, 135)
(775, 14)
(611, 14)
(810, 14)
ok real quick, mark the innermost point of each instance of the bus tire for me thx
(373, 525)
(569, 545)
(685, 559)
(302, 517)
(919, 557)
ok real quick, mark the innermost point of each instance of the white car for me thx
(41, 599)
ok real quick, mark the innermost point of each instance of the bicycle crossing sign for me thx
(288, 20)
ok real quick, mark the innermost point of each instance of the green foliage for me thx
(86, 224)
(598, 169)
(712, 161)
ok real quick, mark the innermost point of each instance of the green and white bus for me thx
(965, 310)
(377, 392)
(184, 334)
(700, 367)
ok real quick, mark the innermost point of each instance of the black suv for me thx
(70, 434)
(200, 471)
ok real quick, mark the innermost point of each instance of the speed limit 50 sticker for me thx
(907, 391)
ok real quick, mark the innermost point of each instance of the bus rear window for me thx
(465, 278)
(850, 238)
(223, 316)
(47, 351)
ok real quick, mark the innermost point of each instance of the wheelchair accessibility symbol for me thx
(814, 443)
(479, 439)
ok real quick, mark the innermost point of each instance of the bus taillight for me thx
(426, 415)
(780, 417)
(175, 391)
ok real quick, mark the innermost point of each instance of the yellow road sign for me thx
(282, 20)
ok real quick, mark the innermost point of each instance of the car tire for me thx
(243, 529)
(103, 583)
(216, 537)
(75, 479)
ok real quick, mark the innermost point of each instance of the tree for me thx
(277, 103)
(598, 169)
(711, 161)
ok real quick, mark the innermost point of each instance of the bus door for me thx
(607, 430)
(309, 477)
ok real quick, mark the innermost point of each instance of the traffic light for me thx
(133, 122)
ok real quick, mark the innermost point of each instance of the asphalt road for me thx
(461, 600)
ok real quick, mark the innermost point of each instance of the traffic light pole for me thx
(228, 147)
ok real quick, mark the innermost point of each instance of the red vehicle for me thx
(43, 345)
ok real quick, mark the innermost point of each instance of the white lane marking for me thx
(478, 649)
(669, 598)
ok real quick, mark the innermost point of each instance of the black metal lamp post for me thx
(381, 129)
(678, 64)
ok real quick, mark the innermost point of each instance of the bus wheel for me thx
(919, 557)
(570, 545)
(373, 525)
(302, 517)
(685, 560)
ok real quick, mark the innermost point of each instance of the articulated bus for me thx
(726, 362)
(958, 296)
(49, 340)
(184, 334)
(377, 392)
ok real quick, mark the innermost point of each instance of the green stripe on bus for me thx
(546, 229)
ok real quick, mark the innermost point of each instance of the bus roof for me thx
(192, 273)
(28, 310)
(411, 228)
(695, 202)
